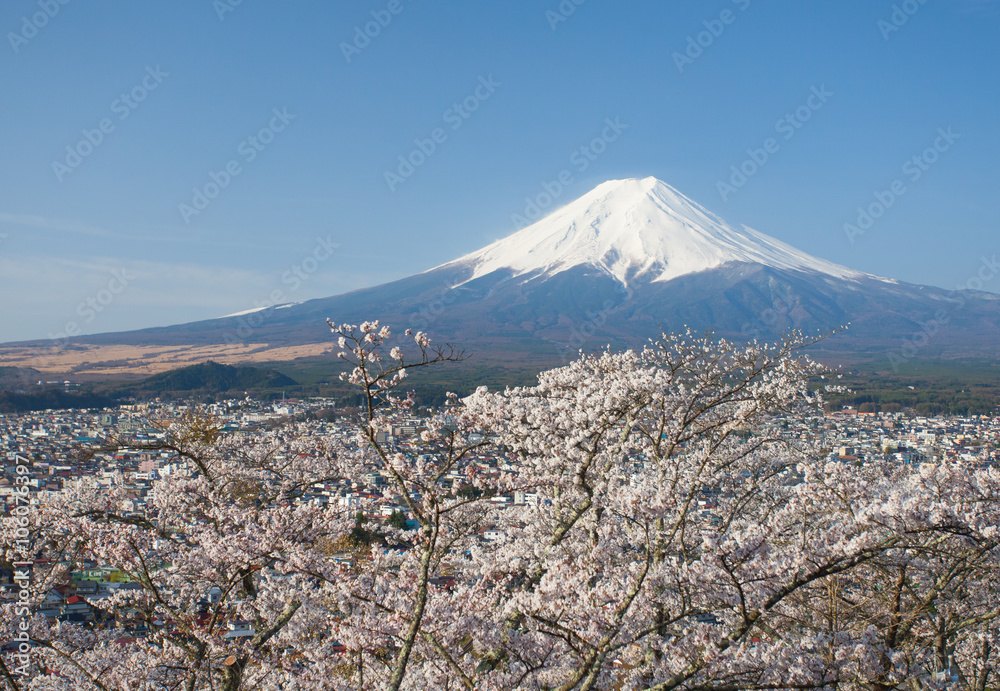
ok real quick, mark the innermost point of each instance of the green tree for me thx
(397, 520)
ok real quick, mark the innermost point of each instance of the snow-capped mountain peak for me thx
(638, 229)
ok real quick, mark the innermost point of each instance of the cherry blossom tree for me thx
(676, 537)
(223, 545)
(391, 612)
(927, 608)
(635, 520)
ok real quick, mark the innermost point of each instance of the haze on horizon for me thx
(174, 163)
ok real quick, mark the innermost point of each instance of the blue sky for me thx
(99, 230)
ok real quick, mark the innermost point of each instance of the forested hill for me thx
(50, 398)
(213, 376)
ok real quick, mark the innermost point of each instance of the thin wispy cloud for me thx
(169, 235)
(97, 294)
(55, 224)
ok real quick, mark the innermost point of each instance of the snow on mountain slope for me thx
(638, 228)
(258, 309)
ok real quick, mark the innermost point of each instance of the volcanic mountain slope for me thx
(637, 231)
(614, 266)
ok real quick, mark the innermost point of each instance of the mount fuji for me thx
(637, 231)
(615, 266)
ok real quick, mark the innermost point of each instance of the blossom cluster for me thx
(674, 541)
